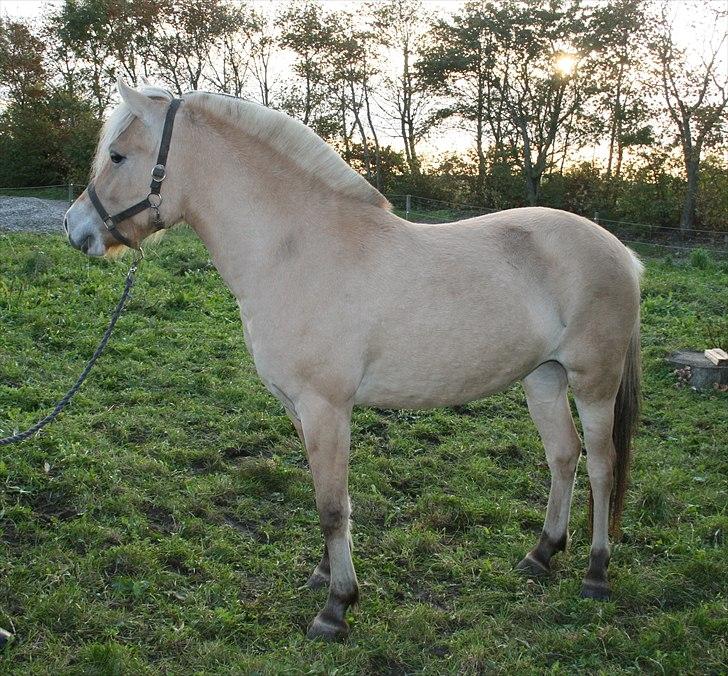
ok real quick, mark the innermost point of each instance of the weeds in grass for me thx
(700, 259)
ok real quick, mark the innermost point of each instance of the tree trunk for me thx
(480, 183)
(620, 156)
(532, 189)
(408, 134)
(692, 168)
(530, 176)
(375, 138)
(345, 134)
(357, 121)
(616, 126)
(307, 100)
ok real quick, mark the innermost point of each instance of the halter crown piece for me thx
(153, 200)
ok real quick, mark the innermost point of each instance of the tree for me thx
(618, 32)
(696, 98)
(81, 27)
(36, 110)
(543, 75)
(458, 62)
(230, 63)
(91, 41)
(308, 32)
(22, 70)
(399, 25)
(261, 36)
(190, 32)
(353, 69)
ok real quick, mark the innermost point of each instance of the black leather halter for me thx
(153, 200)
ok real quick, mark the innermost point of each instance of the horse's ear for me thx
(140, 104)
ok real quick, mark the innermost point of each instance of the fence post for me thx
(70, 193)
(407, 206)
(596, 217)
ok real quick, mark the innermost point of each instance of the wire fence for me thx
(645, 235)
(65, 192)
(427, 210)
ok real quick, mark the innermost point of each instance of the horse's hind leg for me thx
(597, 419)
(546, 393)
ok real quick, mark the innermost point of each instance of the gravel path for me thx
(31, 214)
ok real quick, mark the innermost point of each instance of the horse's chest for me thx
(271, 359)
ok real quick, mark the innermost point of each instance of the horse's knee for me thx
(334, 518)
(563, 461)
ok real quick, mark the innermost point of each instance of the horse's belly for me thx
(413, 383)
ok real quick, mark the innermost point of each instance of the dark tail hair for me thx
(626, 417)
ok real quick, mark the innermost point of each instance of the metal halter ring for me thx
(159, 173)
(154, 197)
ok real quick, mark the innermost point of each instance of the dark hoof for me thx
(317, 581)
(5, 637)
(327, 628)
(593, 589)
(530, 567)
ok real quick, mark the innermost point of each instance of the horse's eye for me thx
(116, 158)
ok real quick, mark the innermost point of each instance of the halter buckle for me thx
(159, 173)
(155, 219)
(109, 223)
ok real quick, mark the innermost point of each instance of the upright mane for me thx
(291, 138)
(279, 131)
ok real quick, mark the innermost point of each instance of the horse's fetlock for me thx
(558, 544)
(352, 598)
(547, 546)
(598, 564)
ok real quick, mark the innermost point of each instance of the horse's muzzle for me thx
(83, 245)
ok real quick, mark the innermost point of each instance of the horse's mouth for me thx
(89, 245)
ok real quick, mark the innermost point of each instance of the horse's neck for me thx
(262, 219)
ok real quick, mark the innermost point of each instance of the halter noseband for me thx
(153, 200)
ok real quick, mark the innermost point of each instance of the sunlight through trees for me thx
(496, 103)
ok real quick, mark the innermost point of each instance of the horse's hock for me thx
(702, 374)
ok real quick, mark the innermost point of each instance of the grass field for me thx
(166, 521)
(54, 192)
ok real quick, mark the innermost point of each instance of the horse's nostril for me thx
(86, 244)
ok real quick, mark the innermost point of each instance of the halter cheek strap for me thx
(153, 200)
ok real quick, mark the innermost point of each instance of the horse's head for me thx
(113, 210)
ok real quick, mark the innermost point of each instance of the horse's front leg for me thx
(326, 432)
(322, 573)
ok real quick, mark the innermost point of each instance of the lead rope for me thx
(22, 436)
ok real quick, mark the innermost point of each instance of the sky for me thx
(687, 13)
(692, 30)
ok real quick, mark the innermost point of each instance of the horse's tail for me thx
(626, 417)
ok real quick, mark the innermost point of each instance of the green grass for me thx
(49, 192)
(439, 215)
(166, 521)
